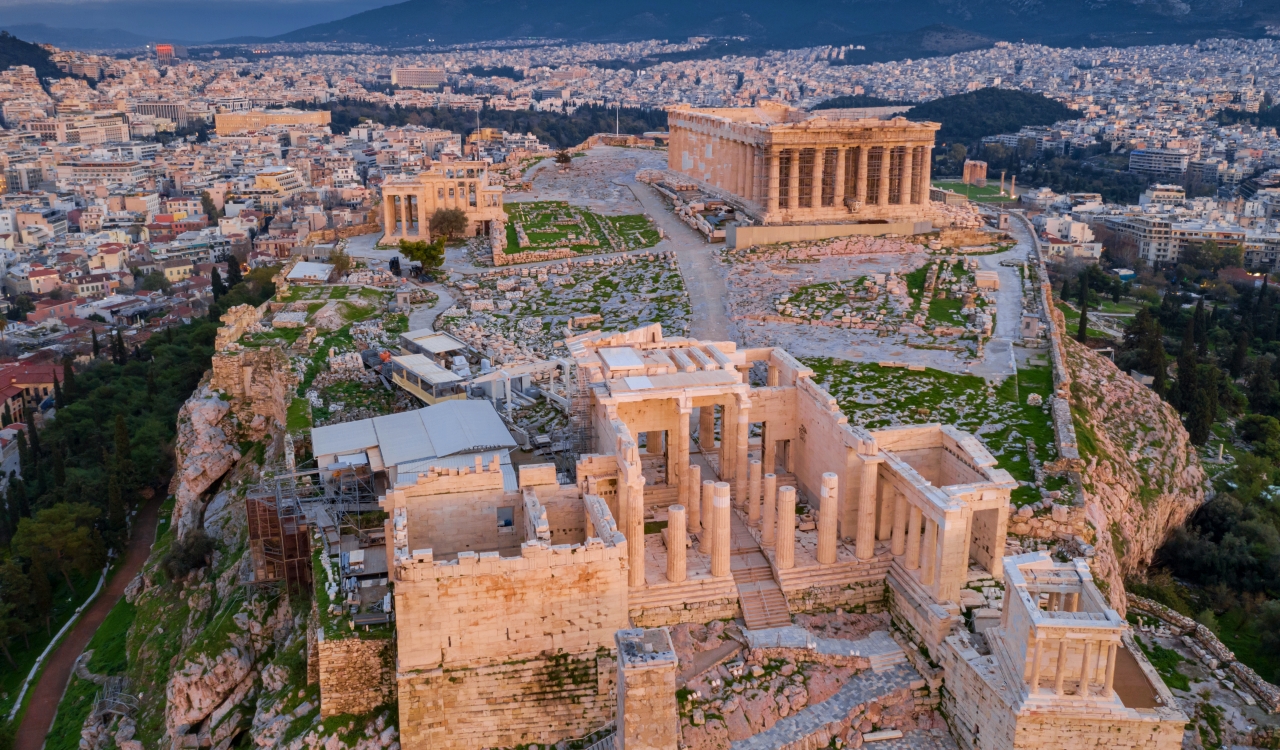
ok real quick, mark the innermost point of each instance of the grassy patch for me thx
(76, 704)
(339, 292)
(1166, 662)
(108, 644)
(299, 417)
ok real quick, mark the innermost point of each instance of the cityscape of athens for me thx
(554, 375)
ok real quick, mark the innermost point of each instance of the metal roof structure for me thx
(433, 342)
(421, 437)
(427, 370)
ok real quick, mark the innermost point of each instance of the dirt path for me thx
(57, 672)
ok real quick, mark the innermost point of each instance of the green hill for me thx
(14, 51)
(968, 117)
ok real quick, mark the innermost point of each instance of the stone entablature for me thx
(787, 166)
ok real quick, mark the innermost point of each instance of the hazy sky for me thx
(183, 20)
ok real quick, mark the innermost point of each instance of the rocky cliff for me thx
(205, 451)
(1141, 478)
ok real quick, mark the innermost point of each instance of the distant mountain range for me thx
(892, 25)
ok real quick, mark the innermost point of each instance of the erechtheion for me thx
(409, 200)
(526, 601)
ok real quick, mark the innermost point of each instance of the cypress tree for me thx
(14, 505)
(233, 273)
(6, 418)
(117, 514)
(1240, 355)
(34, 437)
(1202, 329)
(68, 378)
(59, 467)
(151, 380)
(25, 465)
(217, 287)
(97, 347)
(58, 399)
(123, 450)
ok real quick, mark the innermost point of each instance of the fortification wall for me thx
(355, 675)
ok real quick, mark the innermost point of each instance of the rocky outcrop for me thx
(205, 452)
(1141, 477)
(203, 685)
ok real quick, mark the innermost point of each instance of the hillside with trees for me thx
(556, 129)
(970, 116)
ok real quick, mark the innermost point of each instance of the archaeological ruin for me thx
(409, 200)
(536, 602)
(781, 165)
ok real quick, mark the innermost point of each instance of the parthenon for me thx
(786, 166)
(408, 201)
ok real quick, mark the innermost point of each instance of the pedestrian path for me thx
(879, 647)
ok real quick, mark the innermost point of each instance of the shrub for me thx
(191, 553)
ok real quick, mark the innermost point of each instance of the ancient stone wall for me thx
(861, 596)
(1076, 732)
(648, 717)
(260, 383)
(356, 675)
(342, 233)
(507, 702)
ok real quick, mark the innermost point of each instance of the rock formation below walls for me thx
(1142, 477)
(206, 450)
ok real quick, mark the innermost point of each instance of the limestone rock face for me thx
(1142, 477)
(205, 452)
(203, 684)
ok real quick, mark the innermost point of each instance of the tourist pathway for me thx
(57, 672)
(425, 317)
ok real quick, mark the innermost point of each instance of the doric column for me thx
(753, 493)
(1083, 689)
(1111, 671)
(1035, 666)
(708, 516)
(768, 450)
(840, 157)
(1073, 602)
(720, 543)
(678, 454)
(866, 535)
(882, 194)
(904, 191)
(785, 545)
(884, 519)
(913, 538)
(819, 166)
(707, 428)
(675, 543)
(899, 538)
(769, 513)
(926, 168)
(635, 529)
(693, 497)
(771, 200)
(740, 466)
(728, 439)
(864, 153)
(1061, 672)
(793, 181)
(827, 511)
(930, 550)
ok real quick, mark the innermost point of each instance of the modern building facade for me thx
(785, 166)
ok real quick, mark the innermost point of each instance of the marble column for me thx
(693, 499)
(1035, 666)
(728, 439)
(707, 428)
(753, 493)
(793, 183)
(720, 542)
(635, 529)
(930, 552)
(926, 169)
(388, 216)
(1083, 689)
(913, 538)
(1107, 685)
(884, 519)
(740, 466)
(771, 203)
(1061, 674)
(840, 158)
(904, 191)
(882, 197)
(769, 515)
(675, 543)
(819, 168)
(708, 516)
(785, 545)
(900, 510)
(827, 514)
(678, 454)
(768, 451)
(866, 534)
(863, 154)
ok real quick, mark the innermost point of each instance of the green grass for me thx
(946, 312)
(1166, 662)
(1072, 319)
(338, 292)
(878, 397)
(74, 708)
(988, 194)
(110, 657)
(299, 417)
